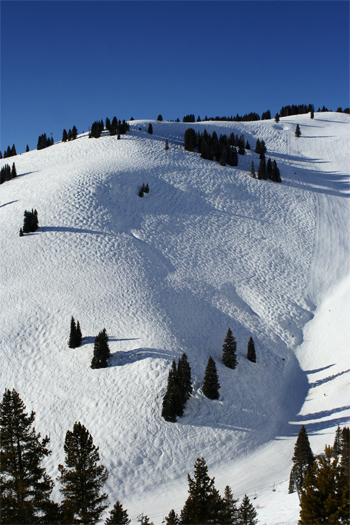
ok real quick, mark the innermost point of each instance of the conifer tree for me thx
(144, 520)
(229, 514)
(172, 519)
(171, 402)
(150, 128)
(262, 169)
(118, 516)
(72, 343)
(30, 223)
(297, 131)
(203, 504)
(247, 513)
(252, 171)
(64, 136)
(229, 357)
(337, 441)
(101, 351)
(166, 145)
(79, 335)
(269, 168)
(275, 176)
(303, 460)
(324, 495)
(184, 379)
(211, 383)
(251, 355)
(13, 171)
(277, 117)
(74, 132)
(81, 478)
(25, 487)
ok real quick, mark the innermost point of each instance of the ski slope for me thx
(208, 248)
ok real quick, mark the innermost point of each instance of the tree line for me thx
(116, 127)
(26, 487)
(8, 173)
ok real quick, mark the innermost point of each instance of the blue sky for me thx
(71, 63)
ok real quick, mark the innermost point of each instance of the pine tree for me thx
(30, 223)
(211, 383)
(184, 379)
(25, 487)
(79, 335)
(252, 172)
(229, 357)
(303, 460)
(203, 505)
(246, 513)
(27, 148)
(81, 478)
(150, 128)
(297, 131)
(144, 520)
(118, 516)
(166, 145)
(74, 132)
(323, 496)
(262, 169)
(269, 169)
(251, 351)
(337, 441)
(171, 401)
(64, 136)
(229, 514)
(275, 176)
(277, 117)
(72, 343)
(101, 351)
(172, 519)
(13, 171)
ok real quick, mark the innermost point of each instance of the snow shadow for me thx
(64, 229)
(88, 340)
(315, 426)
(139, 354)
(7, 203)
(327, 379)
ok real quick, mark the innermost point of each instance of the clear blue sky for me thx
(71, 63)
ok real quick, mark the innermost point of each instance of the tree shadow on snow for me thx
(138, 354)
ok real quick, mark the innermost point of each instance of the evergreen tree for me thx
(30, 223)
(251, 351)
(72, 343)
(150, 128)
(81, 478)
(160, 118)
(172, 519)
(27, 148)
(303, 460)
(166, 145)
(144, 520)
(337, 441)
(171, 398)
(247, 513)
(64, 136)
(229, 357)
(297, 131)
(184, 379)
(25, 487)
(211, 383)
(277, 117)
(257, 146)
(312, 114)
(79, 335)
(74, 132)
(247, 146)
(101, 351)
(118, 516)
(262, 170)
(229, 514)
(269, 169)
(275, 176)
(345, 450)
(324, 496)
(13, 171)
(252, 172)
(203, 505)
(21, 232)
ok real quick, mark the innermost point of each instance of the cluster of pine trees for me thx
(8, 173)
(322, 482)
(144, 189)
(116, 127)
(179, 389)
(75, 336)
(44, 141)
(71, 135)
(10, 152)
(300, 109)
(211, 147)
(30, 222)
(26, 487)
(266, 170)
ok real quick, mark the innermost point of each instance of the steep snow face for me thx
(208, 248)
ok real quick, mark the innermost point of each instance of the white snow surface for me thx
(207, 249)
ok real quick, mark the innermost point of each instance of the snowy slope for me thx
(208, 248)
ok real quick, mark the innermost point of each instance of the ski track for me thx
(209, 248)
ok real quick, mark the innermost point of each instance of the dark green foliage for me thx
(44, 141)
(345, 450)
(21, 232)
(190, 139)
(247, 146)
(27, 148)
(101, 351)
(150, 128)
(179, 390)
(7, 173)
(275, 175)
(166, 145)
(262, 169)
(277, 117)
(189, 118)
(229, 357)
(204, 504)
(325, 492)
(266, 115)
(10, 152)
(75, 336)
(144, 520)
(81, 478)
(246, 513)
(210, 147)
(297, 131)
(251, 351)
(96, 129)
(312, 114)
(223, 157)
(74, 132)
(252, 172)
(25, 487)
(229, 513)
(337, 441)
(160, 118)
(64, 136)
(303, 460)
(118, 516)
(211, 383)
(144, 189)
(30, 223)
(172, 519)
(286, 111)
(269, 169)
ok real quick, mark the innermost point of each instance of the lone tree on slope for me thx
(251, 355)
(101, 351)
(297, 131)
(303, 460)
(229, 357)
(25, 487)
(211, 383)
(81, 478)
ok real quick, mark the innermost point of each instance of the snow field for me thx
(209, 248)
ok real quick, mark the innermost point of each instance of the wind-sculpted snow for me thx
(208, 248)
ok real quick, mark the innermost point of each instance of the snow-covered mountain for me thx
(207, 249)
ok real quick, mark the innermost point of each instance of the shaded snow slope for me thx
(208, 248)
